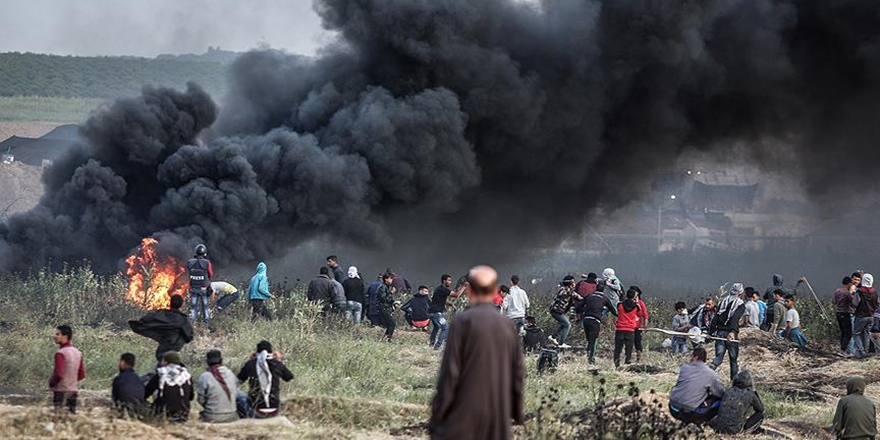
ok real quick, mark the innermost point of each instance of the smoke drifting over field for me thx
(467, 123)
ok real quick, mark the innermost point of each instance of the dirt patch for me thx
(22, 188)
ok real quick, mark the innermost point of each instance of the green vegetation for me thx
(47, 108)
(349, 383)
(28, 74)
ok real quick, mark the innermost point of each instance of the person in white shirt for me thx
(793, 323)
(516, 303)
(753, 311)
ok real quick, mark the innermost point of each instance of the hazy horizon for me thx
(147, 29)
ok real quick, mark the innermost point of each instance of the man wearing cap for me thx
(726, 325)
(216, 390)
(172, 386)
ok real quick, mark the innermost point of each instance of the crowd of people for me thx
(479, 387)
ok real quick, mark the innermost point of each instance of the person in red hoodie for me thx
(643, 322)
(627, 323)
(69, 370)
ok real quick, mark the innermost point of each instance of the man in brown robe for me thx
(480, 385)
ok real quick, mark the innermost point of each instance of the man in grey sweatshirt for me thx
(696, 396)
(216, 391)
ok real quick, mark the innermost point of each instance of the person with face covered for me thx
(726, 325)
(856, 415)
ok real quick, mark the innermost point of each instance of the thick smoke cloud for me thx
(464, 125)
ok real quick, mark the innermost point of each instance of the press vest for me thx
(198, 275)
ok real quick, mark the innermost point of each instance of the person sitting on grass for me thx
(856, 415)
(735, 404)
(697, 393)
(128, 390)
(216, 390)
(534, 338)
(172, 386)
(793, 323)
(416, 310)
(263, 373)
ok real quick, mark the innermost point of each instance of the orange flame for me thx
(153, 278)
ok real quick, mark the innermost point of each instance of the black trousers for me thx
(753, 422)
(637, 339)
(386, 321)
(591, 329)
(60, 399)
(844, 321)
(259, 309)
(621, 340)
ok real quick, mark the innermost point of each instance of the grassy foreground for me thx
(349, 384)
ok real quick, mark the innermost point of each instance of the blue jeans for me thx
(194, 300)
(518, 324)
(797, 336)
(439, 329)
(732, 350)
(679, 345)
(561, 332)
(353, 312)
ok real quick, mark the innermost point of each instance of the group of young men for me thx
(858, 315)
(168, 392)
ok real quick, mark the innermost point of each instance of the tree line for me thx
(29, 74)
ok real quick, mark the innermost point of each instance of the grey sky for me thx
(148, 28)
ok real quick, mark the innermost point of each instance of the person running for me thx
(856, 415)
(627, 323)
(516, 303)
(479, 387)
(354, 296)
(697, 393)
(127, 391)
(726, 325)
(590, 309)
(613, 287)
(437, 312)
(263, 373)
(216, 390)
(865, 301)
(643, 322)
(416, 310)
(170, 328)
(385, 302)
(793, 323)
(68, 371)
(200, 273)
(562, 304)
(172, 386)
(680, 323)
(735, 404)
(843, 304)
(258, 293)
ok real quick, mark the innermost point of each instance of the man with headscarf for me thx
(856, 415)
(258, 292)
(172, 386)
(613, 286)
(480, 384)
(735, 405)
(216, 391)
(354, 296)
(865, 301)
(726, 325)
(263, 373)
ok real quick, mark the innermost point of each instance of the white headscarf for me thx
(732, 301)
(868, 280)
(264, 375)
(352, 272)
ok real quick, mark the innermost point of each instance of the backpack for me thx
(548, 360)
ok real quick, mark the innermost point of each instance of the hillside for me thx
(28, 74)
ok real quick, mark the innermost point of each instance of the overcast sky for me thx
(150, 27)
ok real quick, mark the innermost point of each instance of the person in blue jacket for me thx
(258, 292)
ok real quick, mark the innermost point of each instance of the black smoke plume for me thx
(462, 127)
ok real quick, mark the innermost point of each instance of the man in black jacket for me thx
(321, 290)
(263, 373)
(590, 310)
(128, 389)
(726, 325)
(170, 328)
(416, 309)
(385, 303)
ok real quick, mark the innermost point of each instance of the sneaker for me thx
(564, 345)
(712, 366)
(553, 340)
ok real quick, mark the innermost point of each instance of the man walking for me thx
(258, 293)
(200, 273)
(69, 370)
(437, 312)
(590, 310)
(726, 325)
(562, 304)
(516, 303)
(480, 384)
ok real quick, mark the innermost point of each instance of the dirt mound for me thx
(22, 188)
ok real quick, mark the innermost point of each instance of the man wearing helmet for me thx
(200, 274)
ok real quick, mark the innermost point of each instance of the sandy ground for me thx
(25, 128)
